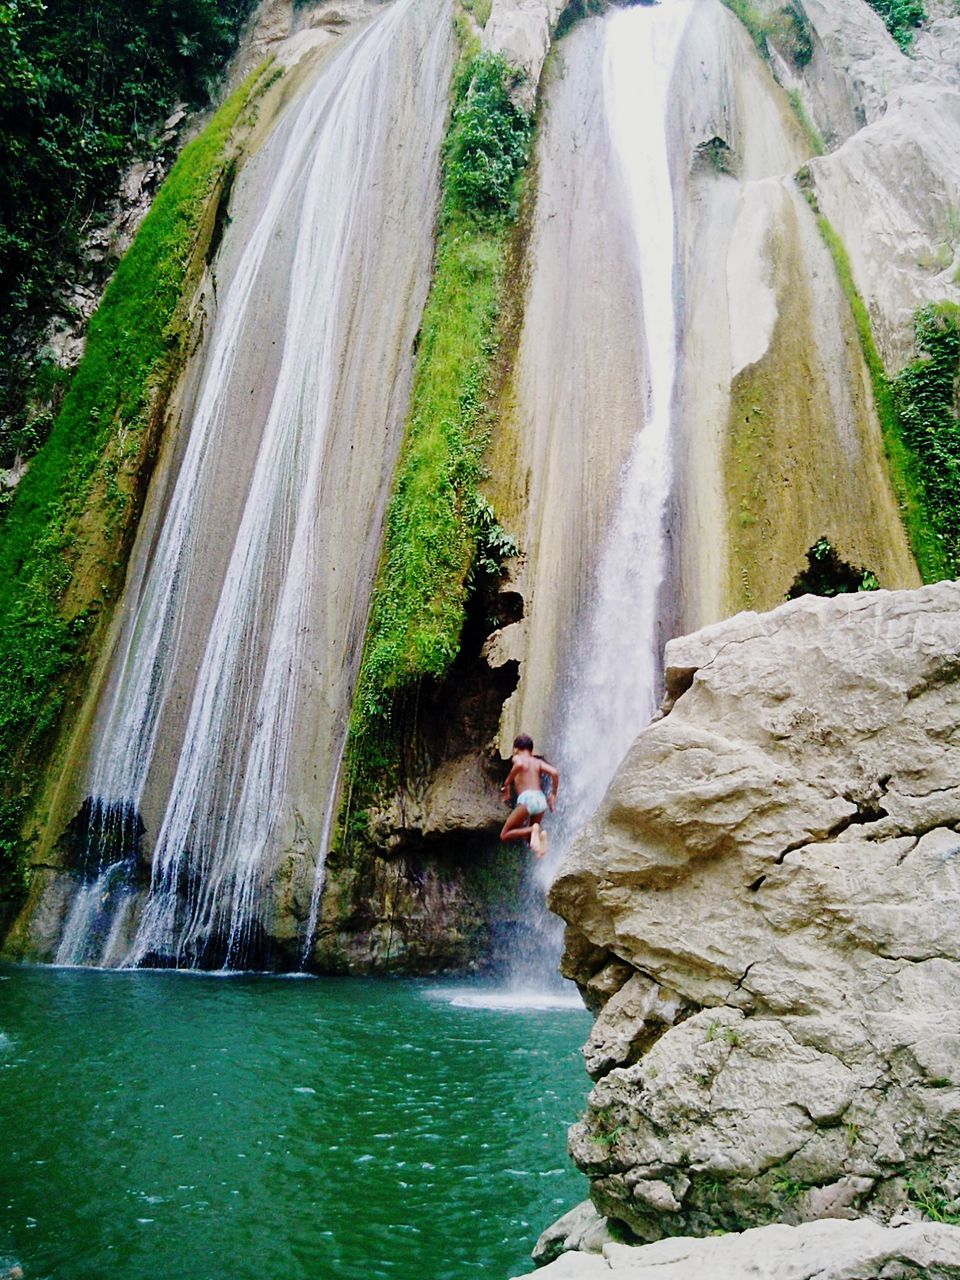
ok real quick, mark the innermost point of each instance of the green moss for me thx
(480, 10)
(577, 10)
(786, 29)
(906, 470)
(925, 396)
(440, 531)
(810, 131)
(754, 21)
(82, 476)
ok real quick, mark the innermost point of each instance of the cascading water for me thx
(612, 687)
(284, 628)
(614, 682)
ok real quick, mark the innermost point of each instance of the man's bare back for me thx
(525, 774)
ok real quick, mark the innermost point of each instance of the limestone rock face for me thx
(582, 1229)
(771, 889)
(855, 65)
(459, 795)
(520, 31)
(890, 183)
(816, 1251)
(902, 233)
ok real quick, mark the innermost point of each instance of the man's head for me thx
(523, 743)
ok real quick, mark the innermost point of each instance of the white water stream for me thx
(613, 687)
(217, 841)
(613, 684)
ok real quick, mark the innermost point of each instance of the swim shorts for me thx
(535, 802)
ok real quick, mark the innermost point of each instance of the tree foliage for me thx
(83, 83)
(488, 143)
(902, 17)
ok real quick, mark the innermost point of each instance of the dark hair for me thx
(523, 743)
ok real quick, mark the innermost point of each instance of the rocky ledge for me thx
(764, 914)
(817, 1251)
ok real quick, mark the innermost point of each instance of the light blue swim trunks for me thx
(535, 802)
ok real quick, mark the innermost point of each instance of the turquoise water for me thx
(160, 1125)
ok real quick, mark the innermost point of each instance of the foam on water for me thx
(508, 1000)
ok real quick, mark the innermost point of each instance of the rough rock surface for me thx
(817, 1251)
(882, 113)
(776, 870)
(520, 31)
(581, 1229)
(902, 233)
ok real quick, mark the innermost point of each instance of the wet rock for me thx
(457, 797)
(779, 858)
(855, 64)
(829, 1250)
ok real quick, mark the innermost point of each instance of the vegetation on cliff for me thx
(828, 574)
(62, 549)
(902, 17)
(441, 533)
(917, 412)
(787, 30)
(83, 85)
(925, 398)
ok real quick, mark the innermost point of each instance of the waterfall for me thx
(100, 912)
(347, 214)
(611, 688)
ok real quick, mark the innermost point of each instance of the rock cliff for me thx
(890, 183)
(764, 912)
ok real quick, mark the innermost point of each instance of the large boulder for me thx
(766, 905)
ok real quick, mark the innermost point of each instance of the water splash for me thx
(95, 928)
(509, 1000)
(218, 841)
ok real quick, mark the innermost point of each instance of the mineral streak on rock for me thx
(766, 906)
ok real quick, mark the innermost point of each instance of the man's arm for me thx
(555, 775)
(505, 789)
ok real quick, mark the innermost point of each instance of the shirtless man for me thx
(524, 822)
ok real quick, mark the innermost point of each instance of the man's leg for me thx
(515, 827)
(536, 838)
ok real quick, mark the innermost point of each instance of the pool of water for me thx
(159, 1125)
